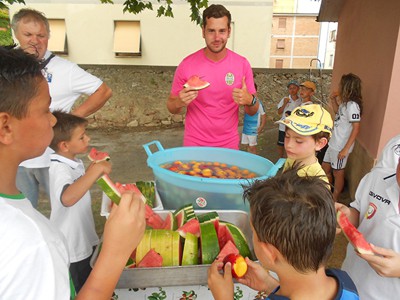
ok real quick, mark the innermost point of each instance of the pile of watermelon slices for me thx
(184, 238)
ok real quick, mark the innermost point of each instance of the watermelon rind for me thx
(192, 226)
(109, 188)
(176, 248)
(144, 245)
(209, 242)
(190, 255)
(207, 217)
(353, 235)
(147, 188)
(161, 242)
(239, 239)
(170, 222)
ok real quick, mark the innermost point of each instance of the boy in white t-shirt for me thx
(34, 258)
(285, 107)
(71, 206)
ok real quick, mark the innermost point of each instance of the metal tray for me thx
(179, 276)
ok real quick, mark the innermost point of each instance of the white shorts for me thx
(331, 157)
(250, 140)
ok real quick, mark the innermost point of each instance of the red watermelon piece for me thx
(224, 235)
(196, 83)
(192, 226)
(153, 220)
(152, 259)
(169, 222)
(353, 235)
(98, 156)
(229, 248)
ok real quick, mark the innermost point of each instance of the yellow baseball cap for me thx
(310, 85)
(309, 119)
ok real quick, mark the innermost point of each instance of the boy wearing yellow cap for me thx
(308, 130)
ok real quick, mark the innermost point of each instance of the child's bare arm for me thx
(263, 121)
(354, 132)
(123, 231)
(282, 108)
(74, 192)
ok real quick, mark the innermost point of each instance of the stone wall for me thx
(140, 93)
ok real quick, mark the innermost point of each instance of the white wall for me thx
(165, 41)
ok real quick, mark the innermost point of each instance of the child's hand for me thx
(258, 278)
(101, 168)
(221, 285)
(386, 263)
(125, 226)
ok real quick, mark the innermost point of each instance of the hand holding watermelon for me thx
(98, 156)
(386, 263)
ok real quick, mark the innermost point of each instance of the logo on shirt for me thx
(229, 78)
(371, 211)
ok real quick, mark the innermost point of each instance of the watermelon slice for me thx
(223, 235)
(209, 242)
(229, 248)
(169, 222)
(190, 254)
(353, 235)
(196, 83)
(144, 245)
(239, 240)
(184, 214)
(109, 188)
(152, 259)
(98, 156)
(153, 220)
(114, 190)
(192, 226)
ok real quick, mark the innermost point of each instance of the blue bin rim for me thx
(274, 167)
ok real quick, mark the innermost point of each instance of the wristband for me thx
(253, 102)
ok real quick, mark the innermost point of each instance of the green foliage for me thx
(165, 9)
(3, 3)
(5, 36)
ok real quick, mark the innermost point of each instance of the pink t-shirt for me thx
(212, 118)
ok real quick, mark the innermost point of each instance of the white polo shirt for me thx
(75, 222)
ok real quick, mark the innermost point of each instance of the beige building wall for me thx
(301, 39)
(164, 41)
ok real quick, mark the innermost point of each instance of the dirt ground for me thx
(129, 164)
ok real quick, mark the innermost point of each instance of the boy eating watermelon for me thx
(34, 257)
(294, 229)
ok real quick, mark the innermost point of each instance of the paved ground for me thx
(129, 163)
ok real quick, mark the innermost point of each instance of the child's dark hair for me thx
(66, 123)
(20, 74)
(350, 89)
(296, 215)
(320, 135)
(216, 11)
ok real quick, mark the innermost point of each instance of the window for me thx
(58, 37)
(279, 63)
(127, 38)
(331, 60)
(280, 44)
(282, 23)
(332, 36)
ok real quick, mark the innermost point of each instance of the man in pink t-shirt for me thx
(212, 114)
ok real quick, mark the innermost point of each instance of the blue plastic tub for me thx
(177, 189)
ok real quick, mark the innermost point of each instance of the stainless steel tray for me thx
(179, 276)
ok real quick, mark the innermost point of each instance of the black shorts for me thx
(281, 138)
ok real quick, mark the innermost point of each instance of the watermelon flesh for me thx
(353, 235)
(98, 156)
(192, 226)
(152, 259)
(229, 248)
(196, 83)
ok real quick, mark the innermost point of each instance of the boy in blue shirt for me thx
(293, 221)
